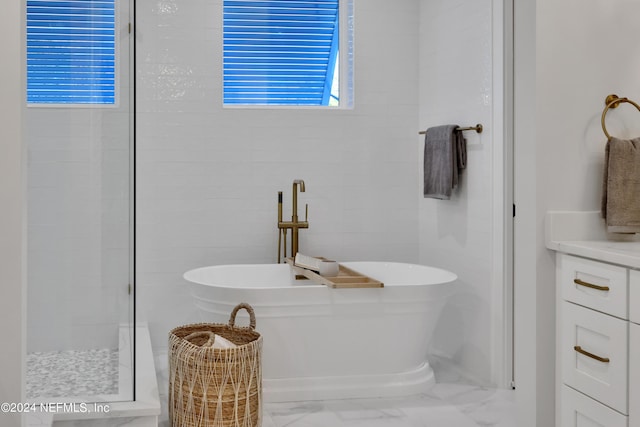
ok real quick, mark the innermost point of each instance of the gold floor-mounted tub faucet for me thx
(295, 225)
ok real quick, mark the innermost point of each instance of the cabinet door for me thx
(579, 410)
(594, 355)
(634, 375)
(594, 284)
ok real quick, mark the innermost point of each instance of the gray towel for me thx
(621, 186)
(445, 155)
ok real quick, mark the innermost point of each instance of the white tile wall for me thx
(456, 87)
(209, 176)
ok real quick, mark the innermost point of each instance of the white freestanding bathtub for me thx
(323, 343)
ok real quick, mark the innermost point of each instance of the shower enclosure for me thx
(79, 134)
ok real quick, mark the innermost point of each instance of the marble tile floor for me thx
(453, 402)
(445, 405)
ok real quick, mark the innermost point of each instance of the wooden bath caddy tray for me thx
(346, 278)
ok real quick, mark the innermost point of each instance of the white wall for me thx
(458, 62)
(12, 213)
(580, 62)
(208, 176)
(584, 50)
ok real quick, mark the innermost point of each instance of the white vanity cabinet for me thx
(598, 368)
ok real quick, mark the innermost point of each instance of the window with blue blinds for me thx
(71, 52)
(280, 52)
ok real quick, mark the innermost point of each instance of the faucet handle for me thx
(306, 212)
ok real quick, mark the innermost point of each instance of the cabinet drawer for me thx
(594, 284)
(634, 375)
(579, 410)
(634, 296)
(587, 335)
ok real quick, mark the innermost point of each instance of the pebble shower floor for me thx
(72, 373)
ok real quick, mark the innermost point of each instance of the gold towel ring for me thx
(612, 101)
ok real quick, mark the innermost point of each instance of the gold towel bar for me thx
(612, 101)
(478, 128)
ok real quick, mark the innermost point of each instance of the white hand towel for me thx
(221, 342)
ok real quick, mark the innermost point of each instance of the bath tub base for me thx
(349, 387)
(322, 343)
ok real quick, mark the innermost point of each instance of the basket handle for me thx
(252, 315)
(210, 334)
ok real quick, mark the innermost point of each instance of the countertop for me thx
(623, 253)
(584, 234)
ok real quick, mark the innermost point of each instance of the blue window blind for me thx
(280, 52)
(71, 51)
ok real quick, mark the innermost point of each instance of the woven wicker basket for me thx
(211, 387)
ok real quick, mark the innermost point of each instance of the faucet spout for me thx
(294, 209)
(300, 182)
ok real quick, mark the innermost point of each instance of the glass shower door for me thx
(79, 121)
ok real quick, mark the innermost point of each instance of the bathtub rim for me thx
(451, 277)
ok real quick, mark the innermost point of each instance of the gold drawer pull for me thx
(590, 285)
(591, 355)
